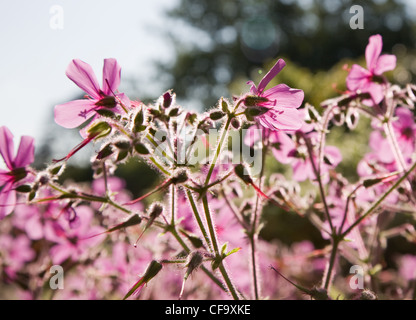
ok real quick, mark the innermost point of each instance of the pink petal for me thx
(83, 76)
(286, 144)
(68, 115)
(26, 153)
(386, 62)
(280, 64)
(376, 92)
(7, 146)
(7, 200)
(253, 89)
(60, 252)
(405, 118)
(5, 176)
(252, 135)
(124, 100)
(302, 170)
(281, 119)
(111, 76)
(333, 155)
(357, 78)
(284, 96)
(373, 51)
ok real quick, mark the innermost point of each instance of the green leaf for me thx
(24, 188)
(232, 251)
(224, 248)
(141, 149)
(174, 112)
(55, 170)
(122, 155)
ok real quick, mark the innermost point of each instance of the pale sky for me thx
(34, 56)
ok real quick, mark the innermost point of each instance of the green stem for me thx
(253, 234)
(198, 218)
(335, 243)
(186, 248)
(214, 241)
(219, 147)
(159, 166)
(89, 198)
(318, 178)
(172, 221)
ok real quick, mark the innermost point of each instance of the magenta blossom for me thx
(16, 165)
(280, 142)
(278, 104)
(72, 114)
(369, 80)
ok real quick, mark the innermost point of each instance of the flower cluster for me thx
(201, 232)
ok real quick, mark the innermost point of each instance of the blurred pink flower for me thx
(302, 165)
(16, 165)
(405, 131)
(72, 114)
(16, 253)
(74, 242)
(407, 267)
(280, 142)
(281, 101)
(369, 80)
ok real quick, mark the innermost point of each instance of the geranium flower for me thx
(72, 114)
(280, 142)
(369, 80)
(277, 106)
(16, 165)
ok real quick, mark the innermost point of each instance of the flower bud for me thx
(235, 123)
(138, 122)
(167, 99)
(155, 210)
(194, 261)
(174, 112)
(216, 115)
(180, 177)
(224, 106)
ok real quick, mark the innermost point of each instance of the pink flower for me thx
(16, 165)
(280, 142)
(16, 253)
(405, 130)
(279, 104)
(72, 114)
(369, 80)
(302, 166)
(407, 267)
(74, 242)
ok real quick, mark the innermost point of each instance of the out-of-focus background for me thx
(202, 49)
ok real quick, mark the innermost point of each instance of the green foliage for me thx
(228, 40)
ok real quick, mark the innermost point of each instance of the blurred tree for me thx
(217, 41)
